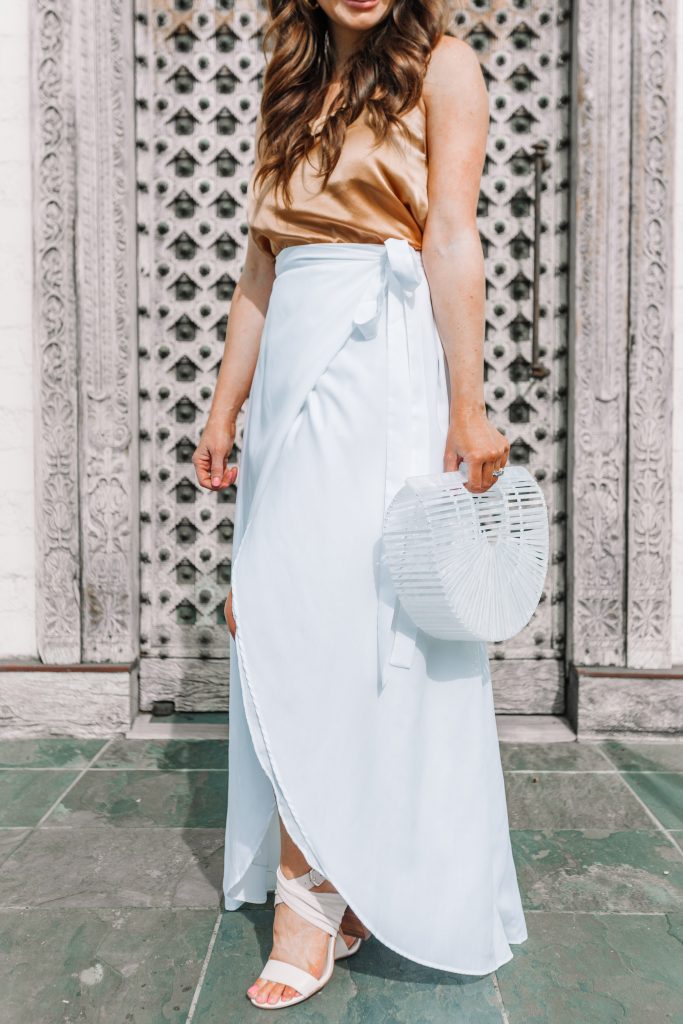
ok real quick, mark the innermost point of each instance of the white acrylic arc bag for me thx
(468, 566)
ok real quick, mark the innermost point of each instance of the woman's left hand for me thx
(475, 441)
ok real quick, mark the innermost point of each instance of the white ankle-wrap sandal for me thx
(325, 910)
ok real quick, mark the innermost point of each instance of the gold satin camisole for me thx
(375, 192)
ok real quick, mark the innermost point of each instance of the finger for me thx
(229, 477)
(487, 477)
(218, 457)
(474, 475)
(202, 467)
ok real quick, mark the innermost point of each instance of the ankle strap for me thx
(325, 910)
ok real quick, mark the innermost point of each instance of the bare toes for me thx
(264, 991)
(289, 993)
(256, 987)
(275, 994)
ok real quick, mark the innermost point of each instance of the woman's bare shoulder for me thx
(453, 70)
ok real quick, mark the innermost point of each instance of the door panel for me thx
(198, 76)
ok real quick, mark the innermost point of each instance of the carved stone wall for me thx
(84, 251)
(599, 327)
(107, 311)
(650, 450)
(619, 313)
(621, 294)
(58, 600)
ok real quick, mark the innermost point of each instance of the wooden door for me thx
(198, 76)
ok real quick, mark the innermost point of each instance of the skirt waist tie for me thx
(408, 433)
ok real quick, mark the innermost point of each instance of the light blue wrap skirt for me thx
(376, 744)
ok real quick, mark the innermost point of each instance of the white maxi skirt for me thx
(376, 743)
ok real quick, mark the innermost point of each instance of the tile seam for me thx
(660, 825)
(499, 999)
(38, 824)
(80, 775)
(202, 973)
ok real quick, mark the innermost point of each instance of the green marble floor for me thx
(110, 876)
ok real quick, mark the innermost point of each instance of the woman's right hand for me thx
(211, 456)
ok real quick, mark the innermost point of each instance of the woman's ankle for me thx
(291, 871)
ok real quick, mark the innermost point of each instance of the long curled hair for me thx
(384, 76)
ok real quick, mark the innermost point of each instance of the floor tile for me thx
(645, 757)
(166, 755)
(53, 752)
(131, 798)
(115, 868)
(25, 795)
(374, 987)
(598, 870)
(595, 969)
(10, 839)
(552, 757)
(559, 800)
(101, 966)
(663, 794)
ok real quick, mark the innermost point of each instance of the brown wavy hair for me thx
(383, 75)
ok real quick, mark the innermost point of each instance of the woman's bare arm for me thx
(457, 128)
(242, 341)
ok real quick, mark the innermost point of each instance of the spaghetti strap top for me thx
(375, 192)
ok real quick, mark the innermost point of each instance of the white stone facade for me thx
(677, 609)
(17, 389)
(17, 548)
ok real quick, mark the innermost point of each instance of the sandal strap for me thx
(287, 974)
(325, 910)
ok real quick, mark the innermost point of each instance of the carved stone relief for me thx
(55, 359)
(85, 331)
(599, 331)
(106, 268)
(620, 372)
(648, 625)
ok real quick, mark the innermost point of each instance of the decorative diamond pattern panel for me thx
(198, 79)
(198, 76)
(524, 48)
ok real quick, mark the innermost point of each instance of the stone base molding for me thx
(39, 700)
(623, 702)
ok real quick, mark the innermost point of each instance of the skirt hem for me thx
(415, 959)
(292, 825)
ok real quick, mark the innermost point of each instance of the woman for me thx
(365, 778)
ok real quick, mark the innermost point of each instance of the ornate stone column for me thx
(58, 591)
(620, 673)
(650, 363)
(86, 374)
